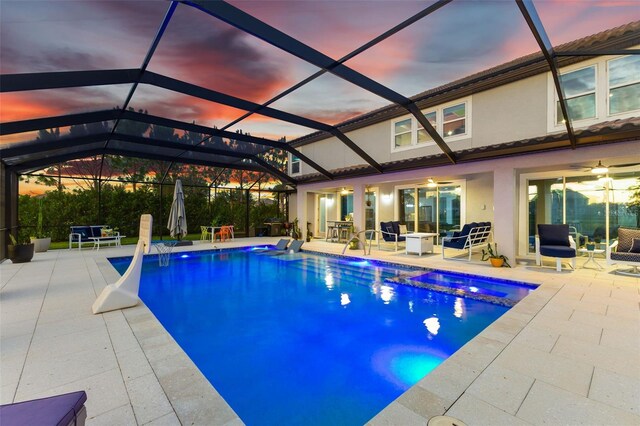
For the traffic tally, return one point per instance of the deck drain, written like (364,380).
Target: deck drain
(445,421)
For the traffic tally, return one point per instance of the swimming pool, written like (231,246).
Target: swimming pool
(303,339)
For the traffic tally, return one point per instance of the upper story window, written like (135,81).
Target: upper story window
(455,119)
(624,84)
(450,120)
(402,132)
(423,136)
(596,90)
(295,165)
(580,93)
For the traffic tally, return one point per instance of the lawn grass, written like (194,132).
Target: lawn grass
(58,245)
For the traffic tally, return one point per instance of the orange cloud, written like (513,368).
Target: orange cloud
(21,106)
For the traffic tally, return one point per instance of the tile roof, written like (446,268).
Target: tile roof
(607,132)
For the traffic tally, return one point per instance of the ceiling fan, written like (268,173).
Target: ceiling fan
(432,183)
(601,168)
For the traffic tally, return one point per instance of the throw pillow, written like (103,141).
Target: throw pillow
(403,229)
(635,246)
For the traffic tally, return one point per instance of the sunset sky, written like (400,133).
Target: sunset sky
(460,39)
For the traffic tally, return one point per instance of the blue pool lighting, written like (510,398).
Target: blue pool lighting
(311,340)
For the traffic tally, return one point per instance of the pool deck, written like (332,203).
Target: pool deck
(567,354)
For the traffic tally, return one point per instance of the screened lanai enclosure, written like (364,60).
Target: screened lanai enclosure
(104,104)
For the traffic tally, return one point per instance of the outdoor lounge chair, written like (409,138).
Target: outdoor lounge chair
(626,251)
(390,232)
(280,246)
(555,241)
(472,235)
(294,247)
(63,410)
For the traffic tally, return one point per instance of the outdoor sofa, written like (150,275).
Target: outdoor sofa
(82,234)
(472,235)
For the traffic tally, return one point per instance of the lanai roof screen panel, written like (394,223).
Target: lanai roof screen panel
(17,106)
(173,105)
(43,36)
(456,41)
(330,100)
(200,49)
(56,135)
(565,21)
(270,128)
(335,28)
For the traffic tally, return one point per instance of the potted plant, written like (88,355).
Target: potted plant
(309,233)
(19,253)
(497,260)
(295,229)
(40,242)
(354,243)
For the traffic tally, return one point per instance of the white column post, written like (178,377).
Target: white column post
(358,206)
(505,212)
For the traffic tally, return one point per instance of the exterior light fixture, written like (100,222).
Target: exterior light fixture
(344,191)
(431,183)
(599,168)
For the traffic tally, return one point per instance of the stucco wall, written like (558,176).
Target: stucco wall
(479,198)
(507,113)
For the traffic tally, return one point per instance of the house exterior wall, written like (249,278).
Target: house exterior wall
(511,112)
(493,183)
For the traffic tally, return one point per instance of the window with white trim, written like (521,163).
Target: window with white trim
(451,121)
(403,133)
(580,94)
(423,136)
(294,165)
(454,120)
(596,90)
(624,84)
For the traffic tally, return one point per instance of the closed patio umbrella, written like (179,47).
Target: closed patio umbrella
(177,216)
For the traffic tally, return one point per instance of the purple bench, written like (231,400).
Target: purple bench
(60,410)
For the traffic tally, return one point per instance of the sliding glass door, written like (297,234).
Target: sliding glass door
(436,210)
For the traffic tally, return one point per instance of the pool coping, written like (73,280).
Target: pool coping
(431,396)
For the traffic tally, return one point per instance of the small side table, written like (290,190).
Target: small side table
(590,253)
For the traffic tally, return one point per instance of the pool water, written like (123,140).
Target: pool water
(302,339)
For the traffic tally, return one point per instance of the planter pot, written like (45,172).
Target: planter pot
(41,244)
(496,262)
(591,246)
(20,253)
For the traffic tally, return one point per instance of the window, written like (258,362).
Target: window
(450,121)
(624,84)
(295,165)
(402,131)
(423,136)
(454,119)
(580,93)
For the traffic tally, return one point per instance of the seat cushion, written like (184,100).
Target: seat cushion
(96,231)
(457,243)
(557,251)
(625,256)
(396,227)
(625,238)
(54,410)
(387,227)
(553,235)
(635,246)
(84,231)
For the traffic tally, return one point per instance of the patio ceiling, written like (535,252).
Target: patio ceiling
(253,92)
